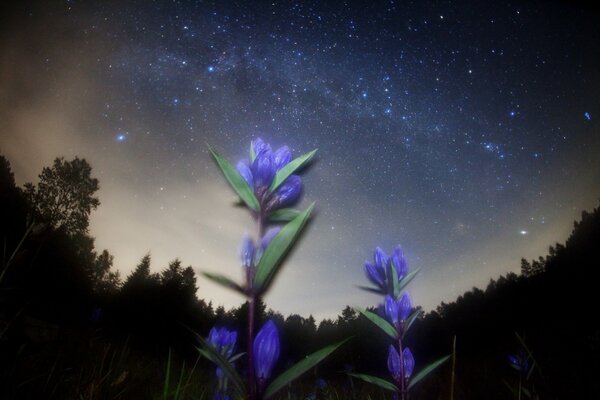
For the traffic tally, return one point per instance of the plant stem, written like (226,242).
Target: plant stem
(402,389)
(251,380)
(252,300)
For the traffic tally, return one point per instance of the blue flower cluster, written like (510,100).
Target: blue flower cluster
(259,174)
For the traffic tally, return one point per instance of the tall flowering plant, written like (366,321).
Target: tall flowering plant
(268,185)
(390,276)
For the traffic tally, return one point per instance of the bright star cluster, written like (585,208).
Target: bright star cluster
(462,130)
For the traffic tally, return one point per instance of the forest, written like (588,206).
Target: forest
(71,327)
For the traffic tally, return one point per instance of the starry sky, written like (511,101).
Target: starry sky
(465,131)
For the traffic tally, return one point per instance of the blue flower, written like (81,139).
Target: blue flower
(260,174)
(409,362)
(381,271)
(266,350)
(393,363)
(397,311)
(250,254)
(247,252)
(222,340)
(519,363)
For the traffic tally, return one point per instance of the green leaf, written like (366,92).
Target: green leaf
(406,280)
(300,368)
(211,354)
(277,250)
(236,181)
(252,153)
(394,280)
(382,383)
(425,371)
(371,289)
(380,322)
(224,281)
(410,320)
(290,168)
(283,214)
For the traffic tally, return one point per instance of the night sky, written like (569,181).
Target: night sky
(467,132)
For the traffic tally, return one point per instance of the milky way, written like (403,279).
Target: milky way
(465,131)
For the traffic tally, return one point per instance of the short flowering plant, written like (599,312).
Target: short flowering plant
(390,275)
(268,185)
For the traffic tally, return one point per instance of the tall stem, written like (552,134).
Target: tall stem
(252,300)
(402,388)
(251,379)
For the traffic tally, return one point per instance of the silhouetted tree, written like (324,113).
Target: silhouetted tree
(64,196)
(105,281)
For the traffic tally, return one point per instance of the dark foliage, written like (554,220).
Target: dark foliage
(66,320)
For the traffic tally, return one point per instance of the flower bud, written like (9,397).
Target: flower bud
(375,275)
(247,252)
(281,157)
(289,191)
(393,363)
(263,169)
(409,362)
(404,307)
(266,350)
(245,172)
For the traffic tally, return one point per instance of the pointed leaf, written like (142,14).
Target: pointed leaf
(236,181)
(290,168)
(406,280)
(284,214)
(371,289)
(252,153)
(211,354)
(410,320)
(277,250)
(236,357)
(394,280)
(380,322)
(382,383)
(300,368)
(224,281)
(425,371)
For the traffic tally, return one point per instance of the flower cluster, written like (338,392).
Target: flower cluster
(261,171)
(390,275)
(222,340)
(267,185)
(381,272)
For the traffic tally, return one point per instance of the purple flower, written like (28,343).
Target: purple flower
(375,274)
(263,170)
(397,311)
(268,237)
(286,194)
(381,259)
(282,157)
(519,363)
(381,271)
(266,350)
(222,340)
(247,252)
(259,175)
(409,362)
(404,307)
(399,262)
(393,363)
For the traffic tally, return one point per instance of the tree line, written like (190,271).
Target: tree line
(58,294)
